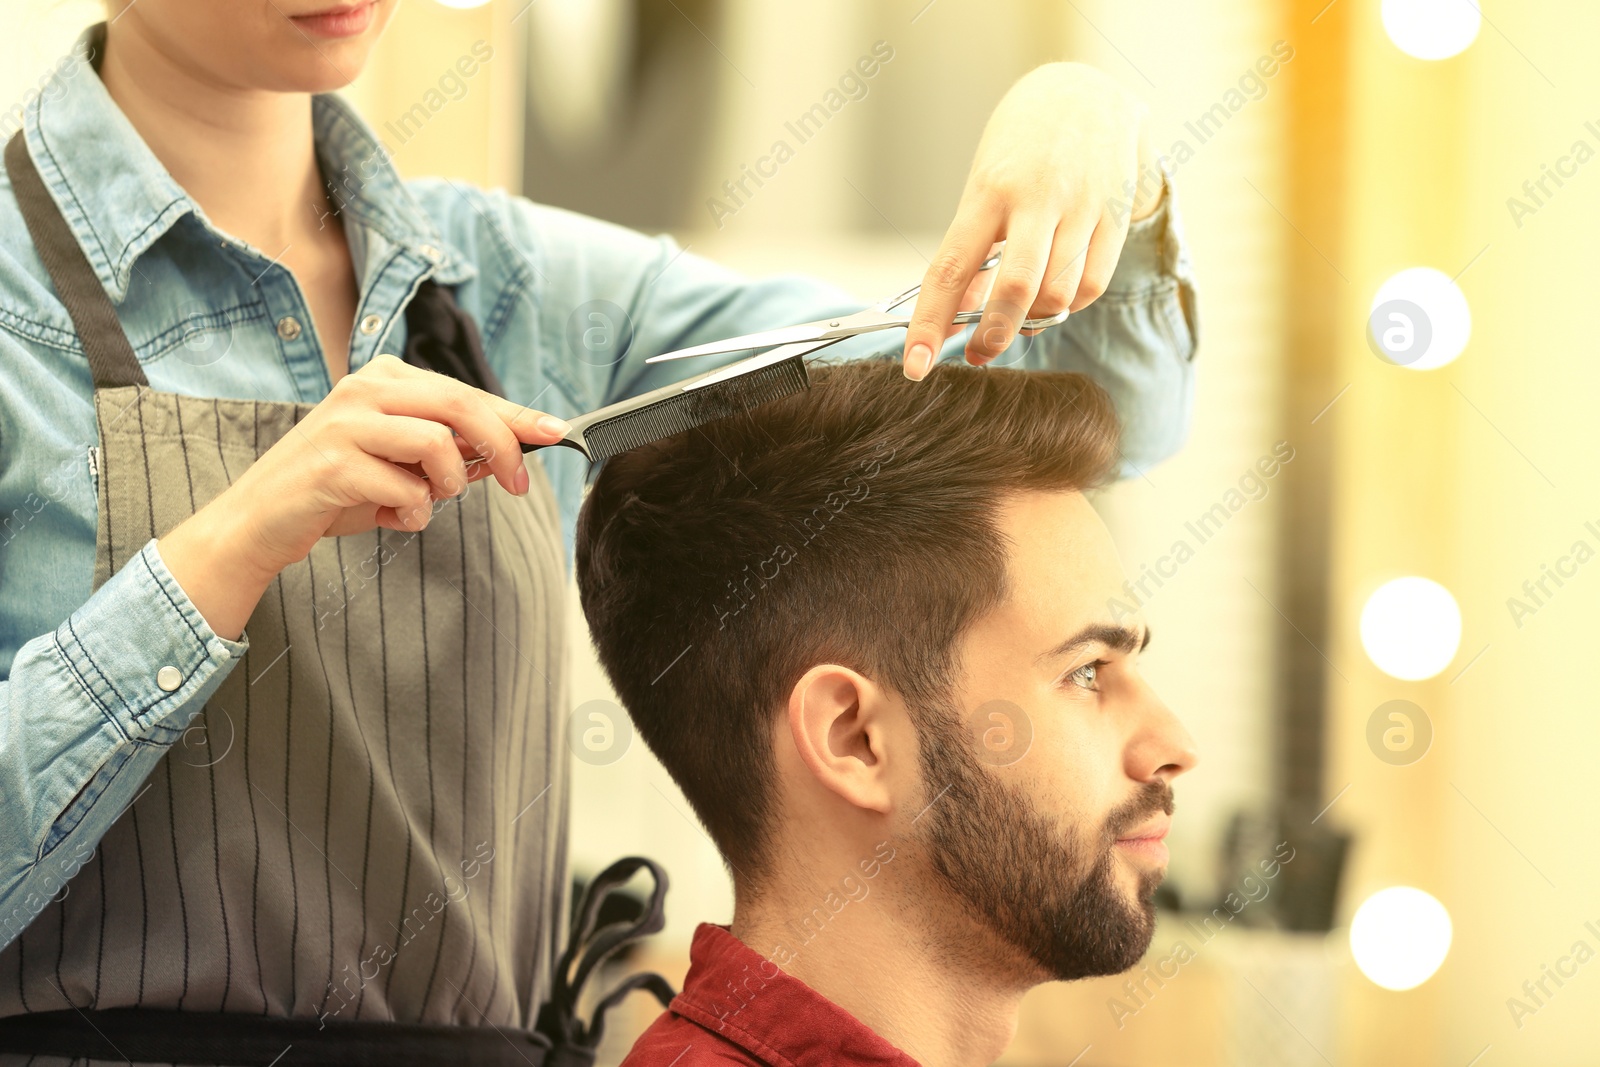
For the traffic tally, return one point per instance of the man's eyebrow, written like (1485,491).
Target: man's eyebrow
(1118,638)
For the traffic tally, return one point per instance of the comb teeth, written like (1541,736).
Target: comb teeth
(696,407)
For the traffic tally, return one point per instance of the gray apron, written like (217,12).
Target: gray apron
(366,821)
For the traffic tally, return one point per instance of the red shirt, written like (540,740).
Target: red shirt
(738,1007)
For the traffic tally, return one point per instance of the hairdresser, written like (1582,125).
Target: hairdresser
(283,713)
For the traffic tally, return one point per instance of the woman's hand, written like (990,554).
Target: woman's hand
(388,441)
(1063,166)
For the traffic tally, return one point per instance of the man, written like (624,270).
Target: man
(866,629)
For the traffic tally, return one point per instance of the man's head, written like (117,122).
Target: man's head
(884,609)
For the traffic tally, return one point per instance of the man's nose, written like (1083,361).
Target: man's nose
(1164,748)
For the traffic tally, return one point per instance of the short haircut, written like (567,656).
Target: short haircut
(851,523)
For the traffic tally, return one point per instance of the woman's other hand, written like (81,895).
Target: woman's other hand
(1063,166)
(388,442)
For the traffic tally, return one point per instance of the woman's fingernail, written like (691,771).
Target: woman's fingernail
(521,480)
(552,425)
(919,362)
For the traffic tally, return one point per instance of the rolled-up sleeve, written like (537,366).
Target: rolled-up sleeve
(1138,340)
(85,714)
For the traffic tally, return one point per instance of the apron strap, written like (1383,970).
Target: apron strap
(111,358)
(591,944)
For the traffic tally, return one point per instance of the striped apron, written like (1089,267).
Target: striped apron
(366,822)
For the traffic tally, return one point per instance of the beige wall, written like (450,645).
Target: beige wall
(1474,475)
(475,135)
(37,36)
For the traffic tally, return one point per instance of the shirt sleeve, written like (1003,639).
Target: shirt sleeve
(86,712)
(1138,340)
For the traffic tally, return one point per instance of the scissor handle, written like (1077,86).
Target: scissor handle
(881,316)
(964,317)
(895,301)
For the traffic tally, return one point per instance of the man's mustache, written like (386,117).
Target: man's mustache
(1152,798)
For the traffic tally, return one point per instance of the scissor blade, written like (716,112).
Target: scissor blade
(755,363)
(765,339)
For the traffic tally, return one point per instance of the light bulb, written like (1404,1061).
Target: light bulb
(1399,937)
(1419,319)
(1431,29)
(1411,628)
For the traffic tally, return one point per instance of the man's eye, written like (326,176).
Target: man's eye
(1086,676)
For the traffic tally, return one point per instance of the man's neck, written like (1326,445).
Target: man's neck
(247,157)
(891,960)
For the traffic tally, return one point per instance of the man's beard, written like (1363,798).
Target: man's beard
(1057,901)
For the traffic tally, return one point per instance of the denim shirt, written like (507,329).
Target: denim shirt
(568,308)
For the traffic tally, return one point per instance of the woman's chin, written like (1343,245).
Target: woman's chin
(318,73)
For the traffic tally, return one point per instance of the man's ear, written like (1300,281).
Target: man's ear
(841,724)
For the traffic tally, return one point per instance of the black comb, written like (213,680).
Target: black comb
(674,408)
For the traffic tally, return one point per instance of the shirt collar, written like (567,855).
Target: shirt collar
(743,997)
(119,200)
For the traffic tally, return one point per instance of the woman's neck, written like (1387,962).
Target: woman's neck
(246,156)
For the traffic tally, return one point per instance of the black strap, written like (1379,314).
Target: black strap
(441,337)
(575,1042)
(147,1035)
(111,358)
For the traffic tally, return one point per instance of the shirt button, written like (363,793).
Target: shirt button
(429,251)
(370,324)
(168,678)
(288,327)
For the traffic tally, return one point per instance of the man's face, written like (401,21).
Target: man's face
(1052,802)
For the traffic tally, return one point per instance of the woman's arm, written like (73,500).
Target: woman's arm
(1137,340)
(87,711)
(85,714)
(591,300)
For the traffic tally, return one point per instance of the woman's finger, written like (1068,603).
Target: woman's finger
(403,439)
(1017,280)
(390,386)
(402,498)
(1105,247)
(491,426)
(1065,269)
(976,293)
(528,424)
(966,244)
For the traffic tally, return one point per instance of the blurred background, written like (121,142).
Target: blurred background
(1384,651)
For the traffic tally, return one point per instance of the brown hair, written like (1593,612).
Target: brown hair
(852,523)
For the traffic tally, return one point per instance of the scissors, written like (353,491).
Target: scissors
(881,316)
